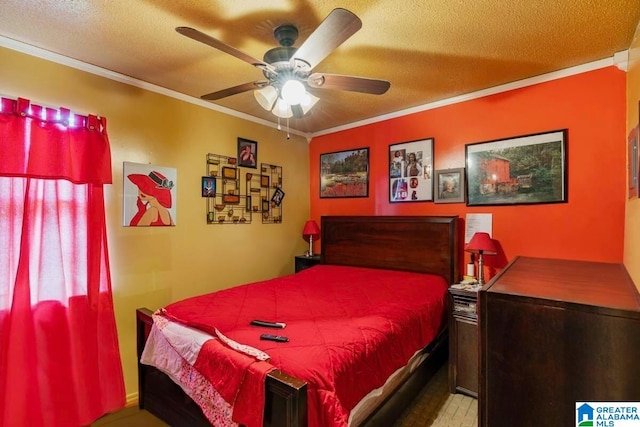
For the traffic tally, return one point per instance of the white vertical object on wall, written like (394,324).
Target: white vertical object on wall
(481,222)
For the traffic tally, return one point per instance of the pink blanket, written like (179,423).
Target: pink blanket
(349,329)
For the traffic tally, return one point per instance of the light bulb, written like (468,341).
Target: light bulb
(293,91)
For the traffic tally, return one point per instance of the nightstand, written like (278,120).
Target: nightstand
(463,339)
(303,261)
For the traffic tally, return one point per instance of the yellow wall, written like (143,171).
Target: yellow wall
(153,266)
(632,216)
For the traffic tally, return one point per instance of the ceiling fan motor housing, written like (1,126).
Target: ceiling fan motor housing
(279,57)
(286,34)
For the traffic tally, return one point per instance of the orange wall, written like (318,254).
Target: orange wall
(590,105)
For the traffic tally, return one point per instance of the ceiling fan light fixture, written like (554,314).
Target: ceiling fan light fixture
(308,101)
(266,97)
(282,109)
(293,91)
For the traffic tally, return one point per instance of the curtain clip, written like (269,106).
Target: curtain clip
(92,122)
(65,113)
(22,107)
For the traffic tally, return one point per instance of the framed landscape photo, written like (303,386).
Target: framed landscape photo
(527,169)
(247,153)
(411,171)
(345,174)
(449,186)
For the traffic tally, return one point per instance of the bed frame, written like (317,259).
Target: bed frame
(427,244)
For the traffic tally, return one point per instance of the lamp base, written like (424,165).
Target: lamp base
(310,252)
(480,270)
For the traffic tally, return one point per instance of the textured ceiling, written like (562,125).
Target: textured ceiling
(429,50)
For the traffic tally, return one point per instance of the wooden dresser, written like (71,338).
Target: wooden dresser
(553,333)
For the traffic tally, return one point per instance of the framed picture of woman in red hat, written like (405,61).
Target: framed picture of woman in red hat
(149,194)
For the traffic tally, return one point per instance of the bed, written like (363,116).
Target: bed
(417,244)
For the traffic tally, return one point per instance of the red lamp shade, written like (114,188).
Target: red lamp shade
(311,229)
(481,243)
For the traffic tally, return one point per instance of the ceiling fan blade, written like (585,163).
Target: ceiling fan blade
(336,28)
(215,43)
(234,90)
(350,83)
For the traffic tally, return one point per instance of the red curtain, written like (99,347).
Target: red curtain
(59,357)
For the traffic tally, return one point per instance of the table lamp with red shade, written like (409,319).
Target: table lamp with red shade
(311,231)
(481,244)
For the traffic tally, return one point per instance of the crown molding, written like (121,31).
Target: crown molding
(102,72)
(619,59)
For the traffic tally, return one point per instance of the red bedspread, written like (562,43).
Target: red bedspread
(349,328)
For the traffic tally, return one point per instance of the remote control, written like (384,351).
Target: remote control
(278,325)
(278,338)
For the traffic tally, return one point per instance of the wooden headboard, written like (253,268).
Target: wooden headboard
(425,244)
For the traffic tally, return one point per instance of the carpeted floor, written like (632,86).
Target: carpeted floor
(434,407)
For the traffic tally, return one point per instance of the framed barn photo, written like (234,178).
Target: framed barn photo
(527,169)
(411,171)
(449,186)
(345,174)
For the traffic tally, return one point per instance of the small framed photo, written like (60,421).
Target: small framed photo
(264,181)
(247,153)
(277,197)
(449,186)
(411,171)
(208,186)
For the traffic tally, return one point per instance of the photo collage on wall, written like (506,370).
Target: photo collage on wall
(410,171)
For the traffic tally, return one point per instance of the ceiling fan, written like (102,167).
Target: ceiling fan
(288,70)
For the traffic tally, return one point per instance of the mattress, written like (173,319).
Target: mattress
(174,349)
(349,330)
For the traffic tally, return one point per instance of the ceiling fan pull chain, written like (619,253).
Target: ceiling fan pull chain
(288,136)
(279,127)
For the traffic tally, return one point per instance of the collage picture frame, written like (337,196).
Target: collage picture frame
(411,171)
